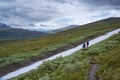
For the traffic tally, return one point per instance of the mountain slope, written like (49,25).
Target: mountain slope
(14,33)
(28,51)
(76,66)
(63,37)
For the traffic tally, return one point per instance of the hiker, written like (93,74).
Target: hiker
(87,43)
(84,45)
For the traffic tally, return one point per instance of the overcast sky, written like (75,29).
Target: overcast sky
(53,14)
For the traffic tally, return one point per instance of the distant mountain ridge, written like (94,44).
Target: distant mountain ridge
(2,25)
(65,28)
(54,30)
(9,33)
(61,29)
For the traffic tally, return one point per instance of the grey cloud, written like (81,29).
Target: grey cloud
(7,0)
(92,2)
(60,1)
(102,2)
(30,11)
(27,14)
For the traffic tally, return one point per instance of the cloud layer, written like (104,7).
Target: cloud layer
(53,14)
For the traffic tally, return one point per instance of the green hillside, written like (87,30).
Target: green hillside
(76,66)
(110,62)
(64,37)
(16,51)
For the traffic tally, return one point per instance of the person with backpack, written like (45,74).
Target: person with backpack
(83,46)
(87,43)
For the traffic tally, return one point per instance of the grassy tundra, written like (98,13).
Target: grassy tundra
(76,67)
(22,50)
